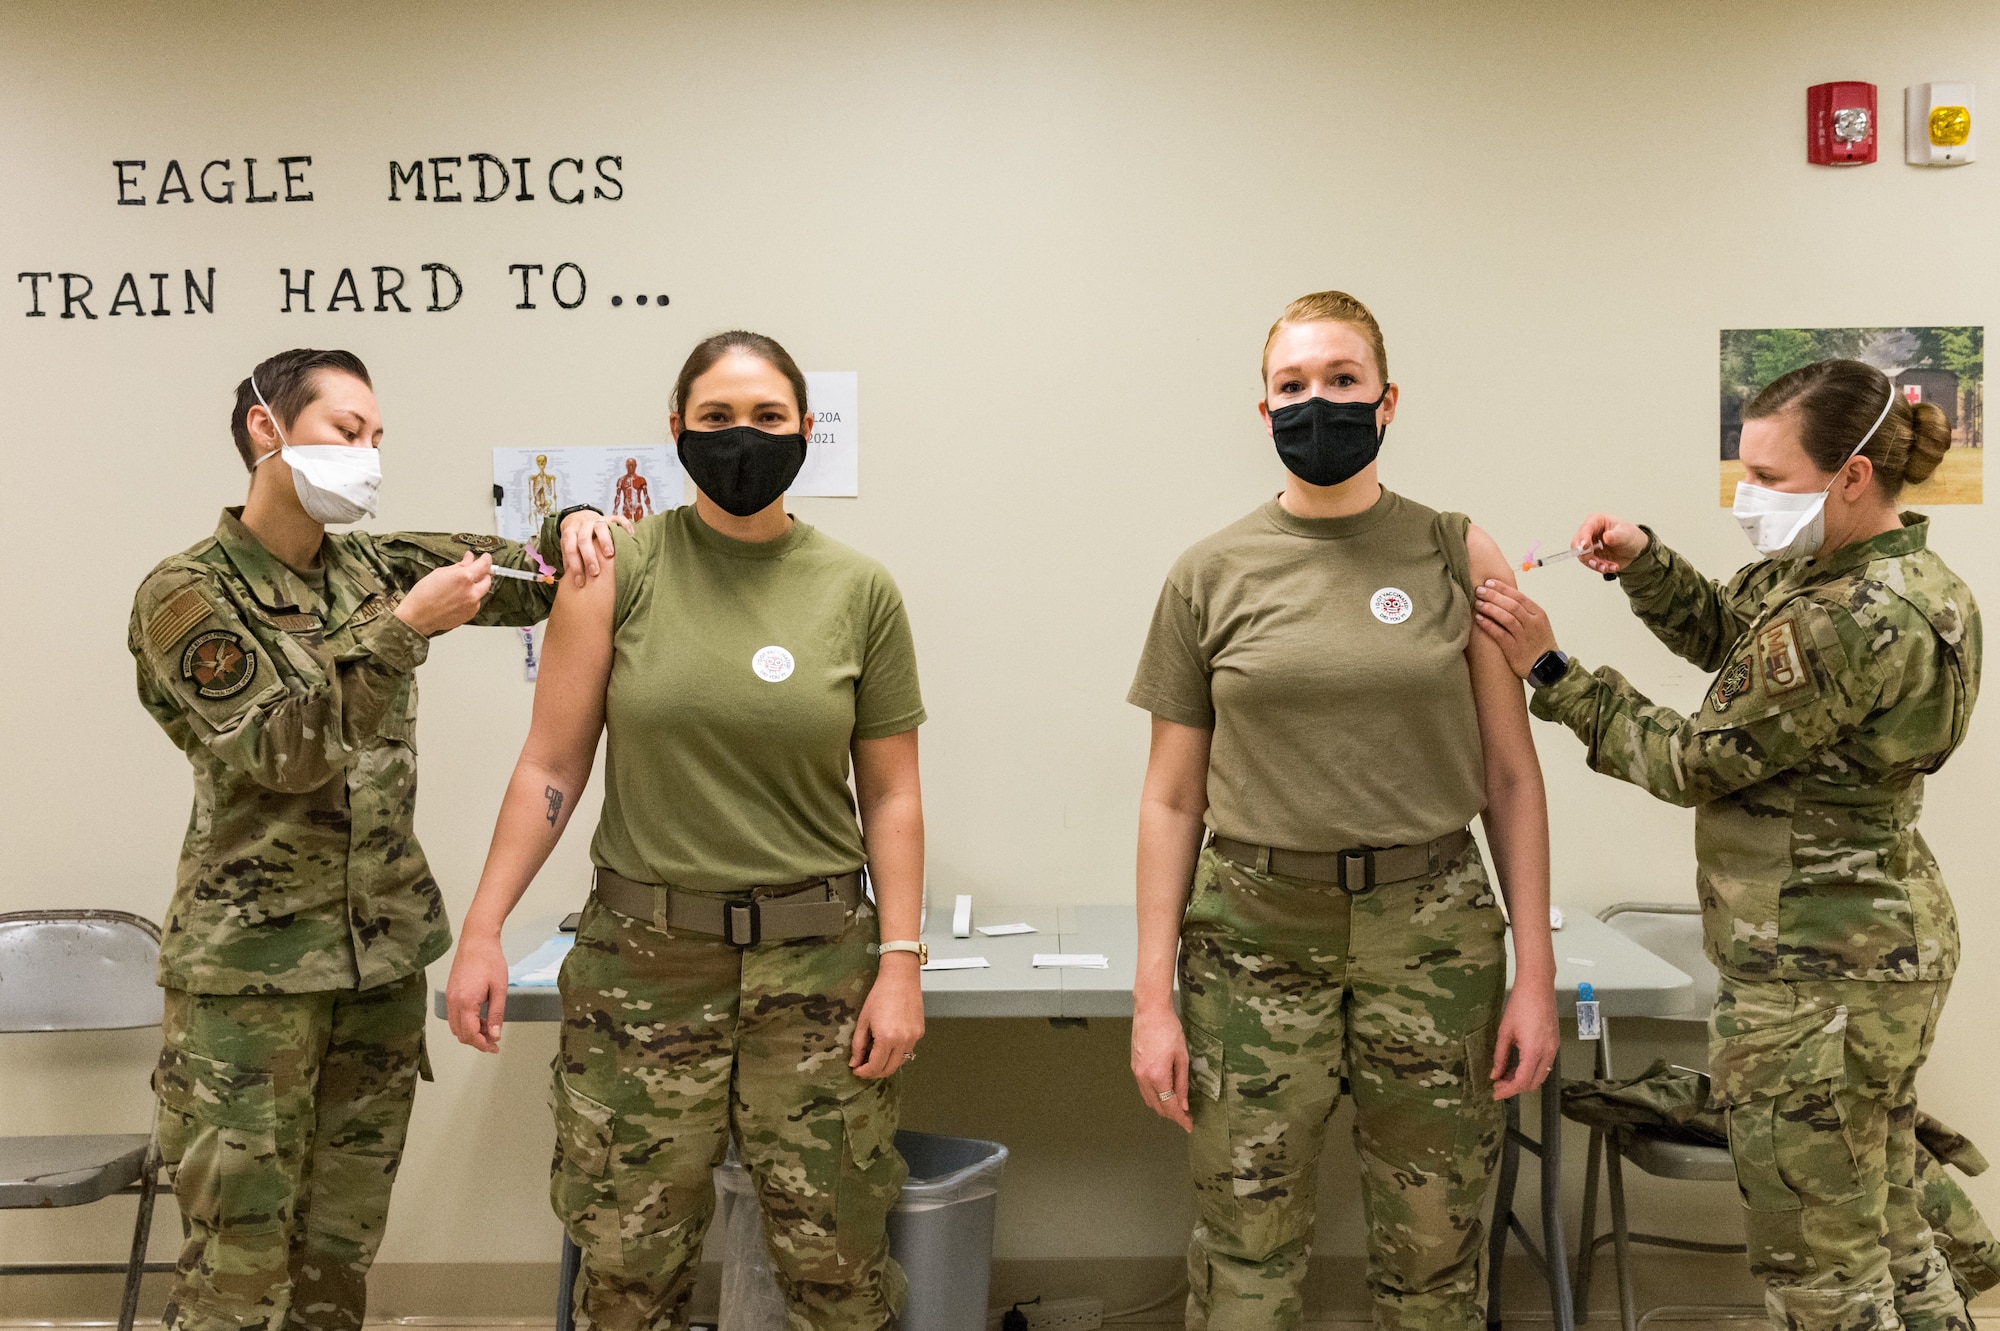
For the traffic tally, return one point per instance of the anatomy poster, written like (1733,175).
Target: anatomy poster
(529,484)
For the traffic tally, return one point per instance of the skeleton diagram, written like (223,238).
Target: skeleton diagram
(542,490)
(630,499)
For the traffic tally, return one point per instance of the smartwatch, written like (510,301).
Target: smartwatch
(1549,668)
(563,516)
(923,950)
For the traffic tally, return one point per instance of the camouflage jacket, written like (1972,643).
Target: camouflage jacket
(1841,683)
(300,871)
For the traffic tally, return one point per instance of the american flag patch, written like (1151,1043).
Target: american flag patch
(173,621)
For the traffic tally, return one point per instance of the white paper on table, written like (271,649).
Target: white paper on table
(538,969)
(1094,961)
(634,481)
(833,454)
(956,964)
(1003,930)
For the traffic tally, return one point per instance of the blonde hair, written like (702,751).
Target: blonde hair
(1330,307)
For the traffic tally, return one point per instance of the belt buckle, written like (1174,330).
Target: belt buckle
(1364,860)
(743,922)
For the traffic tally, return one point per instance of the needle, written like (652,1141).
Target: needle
(1532,562)
(522,574)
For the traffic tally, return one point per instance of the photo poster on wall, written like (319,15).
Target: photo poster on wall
(833,453)
(1943,365)
(531,484)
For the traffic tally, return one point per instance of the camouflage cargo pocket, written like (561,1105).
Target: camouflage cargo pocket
(1787,1131)
(871,1172)
(219,1133)
(1205,1065)
(583,1188)
(1436,1113)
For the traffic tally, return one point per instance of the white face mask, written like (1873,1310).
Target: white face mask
(1787,525)
(336,482)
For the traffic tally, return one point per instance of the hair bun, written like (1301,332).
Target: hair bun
(1930,439)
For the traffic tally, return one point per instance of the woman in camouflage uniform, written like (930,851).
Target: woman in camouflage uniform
(1322,706)
(730,980)
(1846,669)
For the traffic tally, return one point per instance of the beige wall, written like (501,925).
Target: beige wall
(1050,238)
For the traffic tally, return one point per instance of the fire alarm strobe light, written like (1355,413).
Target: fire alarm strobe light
(1840,124)
(1938,124)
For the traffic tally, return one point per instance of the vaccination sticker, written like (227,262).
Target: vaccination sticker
(1391,605)
(772,664)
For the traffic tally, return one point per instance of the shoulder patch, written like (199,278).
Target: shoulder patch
(1778,659)
(485,545)
(1733,684)
(174,620)
(218,664)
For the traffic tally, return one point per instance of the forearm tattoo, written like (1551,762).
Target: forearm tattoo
(555,799)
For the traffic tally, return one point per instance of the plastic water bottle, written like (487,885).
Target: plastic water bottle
(1589,1024)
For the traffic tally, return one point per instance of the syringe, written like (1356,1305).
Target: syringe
(500,571)
(1558,557)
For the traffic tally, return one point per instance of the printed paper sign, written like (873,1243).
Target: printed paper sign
(833,454)
(530,484)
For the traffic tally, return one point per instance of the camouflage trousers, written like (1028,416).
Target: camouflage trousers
(674,1042)
(1290,990)
(1819,1081)
(282,1117)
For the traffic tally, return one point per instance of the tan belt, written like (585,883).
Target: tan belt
(1353,871)
(814,909)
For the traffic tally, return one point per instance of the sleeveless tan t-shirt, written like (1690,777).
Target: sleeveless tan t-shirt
(1328,656)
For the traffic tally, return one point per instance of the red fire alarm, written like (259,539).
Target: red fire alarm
(1840,124)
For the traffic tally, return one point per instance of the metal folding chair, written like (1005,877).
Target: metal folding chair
(81,970)
(1672,931)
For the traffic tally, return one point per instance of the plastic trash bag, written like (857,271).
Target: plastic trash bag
(945,1245)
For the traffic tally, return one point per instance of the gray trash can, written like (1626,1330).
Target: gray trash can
(941,1231)
(942,1228)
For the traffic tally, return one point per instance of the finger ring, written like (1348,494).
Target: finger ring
(1163,1095)
(910,1057)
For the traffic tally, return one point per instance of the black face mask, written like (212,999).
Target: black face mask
(742,468)
(1325,443)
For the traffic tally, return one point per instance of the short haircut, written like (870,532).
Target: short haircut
(290,383)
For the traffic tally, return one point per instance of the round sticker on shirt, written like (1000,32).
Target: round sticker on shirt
(772,664)
(1391,605)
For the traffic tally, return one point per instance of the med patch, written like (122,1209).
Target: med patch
(1779,661)
(485,545)
(218,664)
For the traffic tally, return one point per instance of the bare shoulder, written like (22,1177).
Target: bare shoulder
(1487,561)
